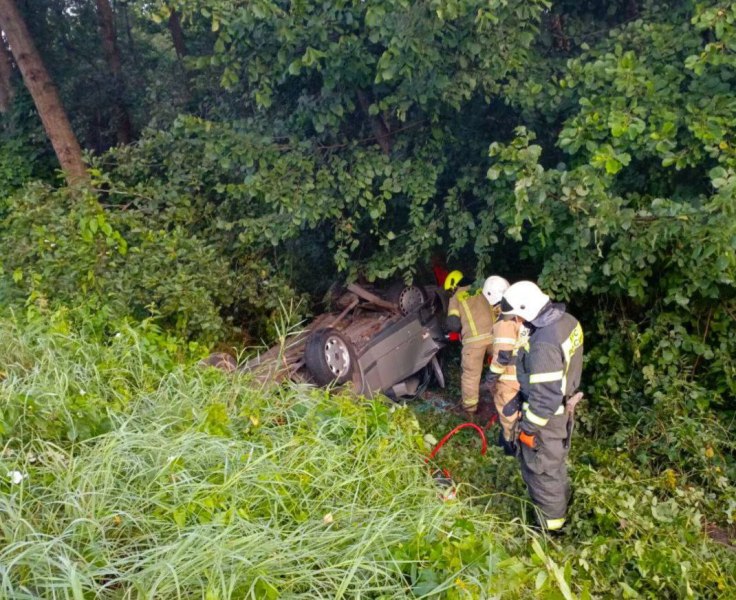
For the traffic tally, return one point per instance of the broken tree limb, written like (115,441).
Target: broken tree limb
(348,308)
(372,298)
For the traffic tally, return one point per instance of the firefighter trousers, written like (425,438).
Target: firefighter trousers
(473,360)
(544,471)
(503,393)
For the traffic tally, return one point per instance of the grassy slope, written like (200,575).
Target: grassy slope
(146,478)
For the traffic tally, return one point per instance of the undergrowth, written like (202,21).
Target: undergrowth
(129,472)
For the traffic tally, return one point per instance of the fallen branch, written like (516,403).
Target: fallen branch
(348,308)
(372,298)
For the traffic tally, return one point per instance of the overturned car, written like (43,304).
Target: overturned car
(377,341)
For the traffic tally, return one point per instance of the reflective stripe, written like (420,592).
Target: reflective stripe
(569,347)
(469,317)
(477,338)
(470,404)
(554,524)
(560,410)
(546,377)
(507,377)
(497,369)
(500,340)
(530,416)
(453,313)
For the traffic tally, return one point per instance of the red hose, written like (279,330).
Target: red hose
(444,474)
(484,444)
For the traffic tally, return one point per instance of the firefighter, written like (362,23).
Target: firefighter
(549,370)
(469,314)
(502,372)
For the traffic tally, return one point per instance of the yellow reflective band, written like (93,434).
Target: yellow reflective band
(560,409)
(507,377)
(554,524)
(469,316)
(530,416)
(500,340)
(470,404)
(477,338)
(569,347)
(546,377)
(497,369)
(453,313)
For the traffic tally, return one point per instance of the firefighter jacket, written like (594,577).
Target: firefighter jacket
(475,314)
(505,348)
(550,366)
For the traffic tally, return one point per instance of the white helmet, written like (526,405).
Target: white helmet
(493,289)
(524,299)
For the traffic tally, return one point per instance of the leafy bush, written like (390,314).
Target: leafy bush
(60,248)
(25,152)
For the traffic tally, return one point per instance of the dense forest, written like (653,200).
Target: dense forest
(180,175)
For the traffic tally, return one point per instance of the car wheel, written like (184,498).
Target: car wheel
(406,297)
(329,357)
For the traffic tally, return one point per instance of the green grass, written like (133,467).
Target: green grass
(148,477)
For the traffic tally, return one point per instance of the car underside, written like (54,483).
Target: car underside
(376,341)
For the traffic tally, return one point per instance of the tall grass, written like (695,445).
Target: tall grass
(198,485)
(146,477)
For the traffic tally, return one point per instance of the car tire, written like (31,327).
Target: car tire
(406,297)
(329,357)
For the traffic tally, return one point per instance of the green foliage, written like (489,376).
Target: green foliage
(256,196)
(135,465)
(589,145)
(634,222)
(91,366)
(646,493)
(152,89)
(318,82)
(356,134)
(240,492)
(62,250)
(24,150)
(411,55)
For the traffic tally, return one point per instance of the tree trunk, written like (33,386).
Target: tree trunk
(44,93)
(177,34)
(6,77)
(112,56)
